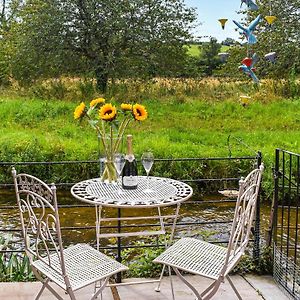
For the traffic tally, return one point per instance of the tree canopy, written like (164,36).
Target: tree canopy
(112,39)
(209,59)
(9,10)
(103,38)
(283,37)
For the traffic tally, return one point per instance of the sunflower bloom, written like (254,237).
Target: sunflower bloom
(79,111)
(108,112)
(126,106)
(139,112)
(97,101)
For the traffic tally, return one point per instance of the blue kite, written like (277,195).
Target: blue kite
(248,31)
(250,4)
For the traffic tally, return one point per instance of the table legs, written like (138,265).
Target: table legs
(98,210)
(119,256)
(119,234)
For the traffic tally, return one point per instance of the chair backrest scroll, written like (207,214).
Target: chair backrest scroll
(243,217)
(37,204)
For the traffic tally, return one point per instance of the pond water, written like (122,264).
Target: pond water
(214,219)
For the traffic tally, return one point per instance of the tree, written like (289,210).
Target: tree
(108,38)
(209,59)
(8,13)
(283,37)
(228,41)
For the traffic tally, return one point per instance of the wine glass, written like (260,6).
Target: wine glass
(147,162)
(119,163)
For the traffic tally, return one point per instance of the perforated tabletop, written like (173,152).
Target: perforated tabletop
(165,192)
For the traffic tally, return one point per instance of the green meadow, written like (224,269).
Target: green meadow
(35,129)
(44,130)
(195,50)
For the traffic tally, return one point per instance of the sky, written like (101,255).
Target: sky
(209,11)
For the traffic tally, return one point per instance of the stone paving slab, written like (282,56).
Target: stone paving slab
(267,287)
(27,291)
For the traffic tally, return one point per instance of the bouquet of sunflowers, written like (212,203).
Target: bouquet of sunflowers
(110,124)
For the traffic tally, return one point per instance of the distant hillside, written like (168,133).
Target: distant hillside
(194,49)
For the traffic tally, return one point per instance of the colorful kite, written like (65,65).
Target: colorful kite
(270,19)
(245,100)
(248,67)
(223,56)
(271,57)
(250,4)
(223,22)
(248,31)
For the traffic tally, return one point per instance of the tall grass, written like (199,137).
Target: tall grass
(162,89)
(35,129)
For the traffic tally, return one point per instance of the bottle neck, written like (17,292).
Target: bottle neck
(129,155)
(129,145)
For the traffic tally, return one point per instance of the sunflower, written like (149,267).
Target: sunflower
(79,111)
(97,101)
(139,112)
(107,112)
(126,106)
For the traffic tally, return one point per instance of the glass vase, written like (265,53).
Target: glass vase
(109,173)
(108,147)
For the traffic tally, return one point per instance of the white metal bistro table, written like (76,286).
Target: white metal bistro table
(165,192)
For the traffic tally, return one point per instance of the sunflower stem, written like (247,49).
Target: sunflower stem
(121,131)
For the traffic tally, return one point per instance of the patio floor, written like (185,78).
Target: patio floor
(250,288)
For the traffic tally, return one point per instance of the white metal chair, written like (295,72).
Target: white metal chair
(72,268)
(210,260)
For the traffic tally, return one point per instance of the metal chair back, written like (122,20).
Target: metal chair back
(40,220)
(243,218)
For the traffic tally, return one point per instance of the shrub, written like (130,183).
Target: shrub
(140,260)
(13,267)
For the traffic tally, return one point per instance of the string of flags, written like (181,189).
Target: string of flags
(247,66)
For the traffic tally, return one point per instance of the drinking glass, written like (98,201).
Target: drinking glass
(119,162)
(147,162)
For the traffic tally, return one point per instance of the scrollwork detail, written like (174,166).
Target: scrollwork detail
(244,213)
(30,183)
(40,227)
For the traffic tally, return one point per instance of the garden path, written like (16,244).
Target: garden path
(250,287)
